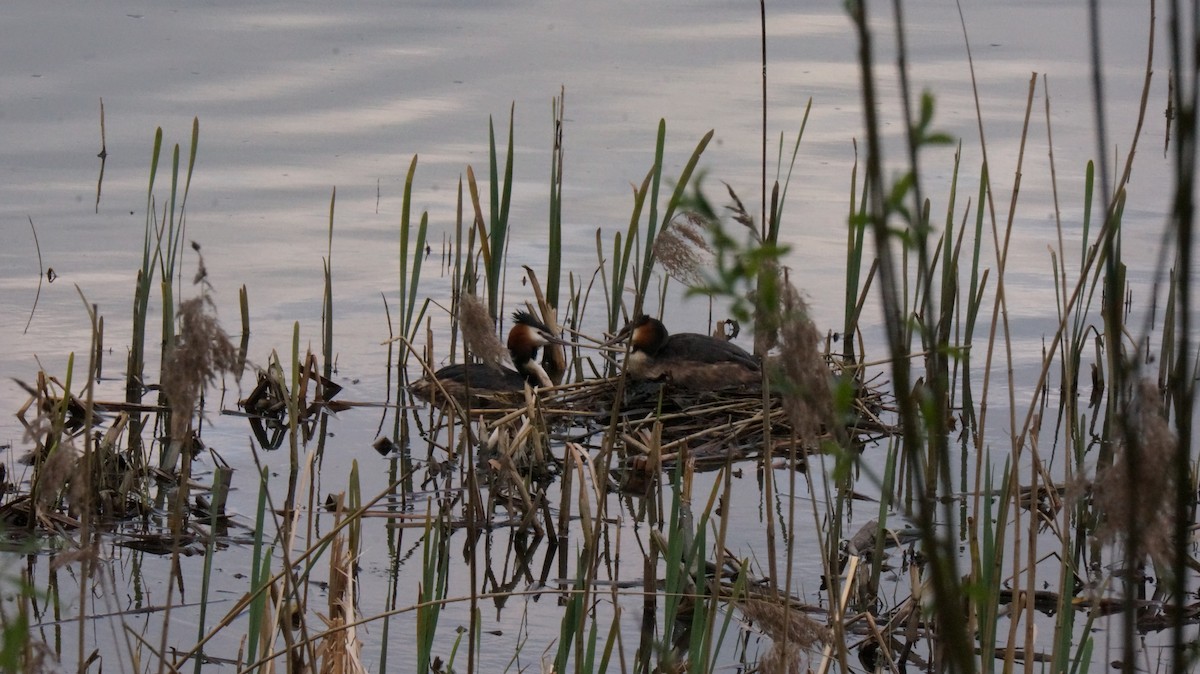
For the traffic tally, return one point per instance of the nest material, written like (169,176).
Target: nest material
(715,427)
(658,424)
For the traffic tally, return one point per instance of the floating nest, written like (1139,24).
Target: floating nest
(650,426)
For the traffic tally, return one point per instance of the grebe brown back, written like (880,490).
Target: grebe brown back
(687,360)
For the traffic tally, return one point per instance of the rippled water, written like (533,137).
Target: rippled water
(296,100)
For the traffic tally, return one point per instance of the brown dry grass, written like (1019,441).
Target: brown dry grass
(339,650)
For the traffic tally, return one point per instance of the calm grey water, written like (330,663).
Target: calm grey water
(296,99)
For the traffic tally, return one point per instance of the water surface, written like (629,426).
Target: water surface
(297,100)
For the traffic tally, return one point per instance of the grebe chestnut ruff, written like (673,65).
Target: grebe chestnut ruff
(687,360)
(492,386)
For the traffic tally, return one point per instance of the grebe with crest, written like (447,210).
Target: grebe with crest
(496,385)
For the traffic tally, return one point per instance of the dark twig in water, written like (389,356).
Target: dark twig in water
(103,155)
(41,273)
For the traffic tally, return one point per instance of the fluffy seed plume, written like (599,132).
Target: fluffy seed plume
(201,353)
(791,632)
(683,249)
(800,365)
(478,332)
(1143,496)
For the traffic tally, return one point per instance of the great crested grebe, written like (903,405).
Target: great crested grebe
(687,360)
(492,386)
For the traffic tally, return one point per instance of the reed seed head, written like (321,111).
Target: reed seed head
(479,334)
(801,366)
(683,250)
(202,352)
(792,634)
(1138,489)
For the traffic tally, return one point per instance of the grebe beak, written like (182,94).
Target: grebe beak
(622,335)
(555,340)
(535,337)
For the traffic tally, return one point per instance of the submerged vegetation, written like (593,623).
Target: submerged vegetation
(615,510)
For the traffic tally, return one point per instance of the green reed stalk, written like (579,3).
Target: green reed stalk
(652,223)
(326,329)
(777,212)
(435,572)
(454,650)
(478,229)
(700,629)
(354,504)
(1167,355)
(675,576)
(1064,618)
(989,574)
(456,279)
(705,644)
(974,302)
(175,227)
(719,546)
(611,642)
(574,617)
(623,255)
(855,240)
(393,539)
(220,490)
(405,209)
(498,222)
(410,278)
(327,296)
(293,407)
(420,316)
(260,573)
(244,344)
(135,370)
(554,263)
(642,276)
(15,641)
(949,285)
(172,227)
(923,419)
(886,496)
(589,655)
(91,481)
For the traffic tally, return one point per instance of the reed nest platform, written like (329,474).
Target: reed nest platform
(649,426)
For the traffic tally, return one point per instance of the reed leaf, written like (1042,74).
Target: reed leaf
(260,571)
(327,297)
(432,589)
(554,263)
(501,197)
(652,225)
(622,257)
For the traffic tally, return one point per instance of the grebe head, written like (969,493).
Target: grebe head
(648,335)
(645,334)
(527,335)
(686,360)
